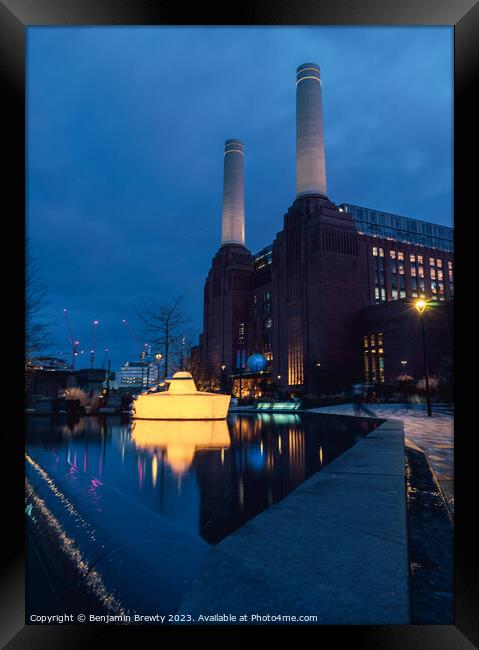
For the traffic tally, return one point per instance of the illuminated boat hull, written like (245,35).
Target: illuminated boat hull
(194,406)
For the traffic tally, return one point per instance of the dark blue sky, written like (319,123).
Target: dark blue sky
(126,128)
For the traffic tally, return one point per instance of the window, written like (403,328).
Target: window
(240,358)
(417,276)
(266,303)
(450,273)
(295,352)
(378,270)
(396,265)
(373,357)
(440,287)
(241,333)
(267,342)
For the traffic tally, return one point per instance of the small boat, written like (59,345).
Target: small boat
(182,401)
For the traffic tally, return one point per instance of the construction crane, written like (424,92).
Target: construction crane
(74,344)
(130,331)
(145,352)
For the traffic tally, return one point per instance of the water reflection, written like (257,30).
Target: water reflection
(180,439)
(208,477)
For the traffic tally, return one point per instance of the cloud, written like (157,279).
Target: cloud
(126,128)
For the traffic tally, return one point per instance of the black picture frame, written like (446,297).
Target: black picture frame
(15,17)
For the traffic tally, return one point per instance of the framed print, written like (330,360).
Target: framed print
(235,279)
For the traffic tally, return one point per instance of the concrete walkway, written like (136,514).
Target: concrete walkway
(435,436)
(335,548)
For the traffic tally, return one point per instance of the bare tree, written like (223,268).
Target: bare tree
(204,373)
(165,328)
(37,334)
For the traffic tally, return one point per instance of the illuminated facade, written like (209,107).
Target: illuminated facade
(328,303)
(136,375)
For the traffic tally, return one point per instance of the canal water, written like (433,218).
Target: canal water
(207,477)
(110,501)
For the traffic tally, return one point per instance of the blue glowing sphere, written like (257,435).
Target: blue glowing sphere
(256,362)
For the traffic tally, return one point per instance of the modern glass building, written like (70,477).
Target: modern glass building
(134,374)
(398,228)
(263,258)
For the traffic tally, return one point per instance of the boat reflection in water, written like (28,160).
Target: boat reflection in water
(99,485)
(209,477)
(180,440)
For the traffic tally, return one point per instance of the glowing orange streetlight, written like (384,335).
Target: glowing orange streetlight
(158,358)
(421,307)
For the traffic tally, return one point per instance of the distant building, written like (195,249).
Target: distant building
(91,379)
(135,375)
(48,363)
(46,376)
(330,301)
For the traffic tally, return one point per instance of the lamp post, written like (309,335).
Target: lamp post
(223,379)
(142,361)
(158,358)
(108,378)
(318,380)
(421,307)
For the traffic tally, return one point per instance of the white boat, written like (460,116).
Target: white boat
(182,401)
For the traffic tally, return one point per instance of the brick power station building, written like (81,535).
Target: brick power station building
(331,301)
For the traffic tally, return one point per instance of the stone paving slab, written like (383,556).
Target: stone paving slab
(434,436)
(335,547)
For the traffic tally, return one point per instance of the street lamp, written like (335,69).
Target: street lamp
(421,307)
(158,358)
(142,362)
(318,380)
(147,355)
(223,378)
